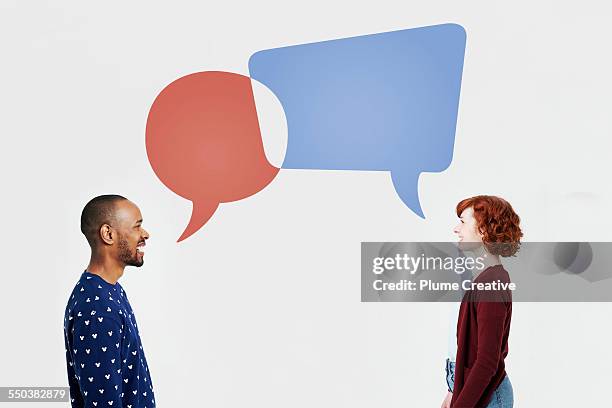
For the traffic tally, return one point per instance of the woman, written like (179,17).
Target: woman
(489,228)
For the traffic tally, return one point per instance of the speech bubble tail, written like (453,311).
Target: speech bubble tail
(408,190)
(200,214)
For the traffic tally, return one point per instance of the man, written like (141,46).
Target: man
(105,359)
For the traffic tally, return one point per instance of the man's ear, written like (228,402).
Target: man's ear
(107,234)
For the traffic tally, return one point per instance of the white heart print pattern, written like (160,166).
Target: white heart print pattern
(93,324)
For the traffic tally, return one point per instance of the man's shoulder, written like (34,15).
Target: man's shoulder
(89,295)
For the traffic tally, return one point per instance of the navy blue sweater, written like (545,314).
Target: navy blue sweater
(105,359)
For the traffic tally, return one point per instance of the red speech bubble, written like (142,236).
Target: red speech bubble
(204,143)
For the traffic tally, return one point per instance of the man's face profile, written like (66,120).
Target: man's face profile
(130,234)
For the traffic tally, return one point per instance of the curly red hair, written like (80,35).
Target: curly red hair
(496,221)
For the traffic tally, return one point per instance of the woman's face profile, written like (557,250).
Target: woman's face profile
(467,231)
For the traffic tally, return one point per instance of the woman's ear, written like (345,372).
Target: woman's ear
(480,233)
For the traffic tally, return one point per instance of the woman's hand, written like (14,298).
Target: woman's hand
(447,400)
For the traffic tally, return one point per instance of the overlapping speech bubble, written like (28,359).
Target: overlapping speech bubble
(203,142)
(379,102)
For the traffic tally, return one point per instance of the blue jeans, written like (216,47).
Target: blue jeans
(503,396)
(450,374)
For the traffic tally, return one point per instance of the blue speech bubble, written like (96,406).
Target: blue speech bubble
(379,102)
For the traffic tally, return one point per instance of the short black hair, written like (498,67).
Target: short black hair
(99,210)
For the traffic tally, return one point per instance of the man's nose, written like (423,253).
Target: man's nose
(146,234)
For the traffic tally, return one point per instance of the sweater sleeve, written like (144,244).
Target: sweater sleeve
(490,318)
(97,360)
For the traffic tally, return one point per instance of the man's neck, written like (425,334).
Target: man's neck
(108,269)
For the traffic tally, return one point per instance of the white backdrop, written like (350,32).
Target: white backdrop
(262,306)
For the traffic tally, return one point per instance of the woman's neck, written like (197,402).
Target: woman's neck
(487,260)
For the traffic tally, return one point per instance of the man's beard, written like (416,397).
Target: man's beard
(127,256)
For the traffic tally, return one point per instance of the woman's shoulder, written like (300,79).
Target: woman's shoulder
(493,274)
